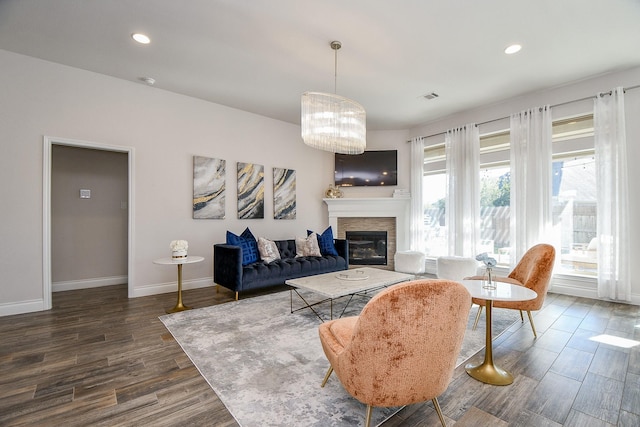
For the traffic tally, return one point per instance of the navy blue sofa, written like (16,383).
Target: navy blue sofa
(229,272)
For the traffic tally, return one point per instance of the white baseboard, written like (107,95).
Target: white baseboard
(163,288)
(577,291)
(20,307)
(73,285)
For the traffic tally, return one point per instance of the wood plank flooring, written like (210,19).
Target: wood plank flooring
(100,359)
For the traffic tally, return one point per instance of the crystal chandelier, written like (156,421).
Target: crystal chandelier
(331,122)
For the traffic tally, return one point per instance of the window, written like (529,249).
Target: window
(495,186)
(574,196)
(434,191)
(494,182)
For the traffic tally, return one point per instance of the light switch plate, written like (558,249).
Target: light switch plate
(85,194)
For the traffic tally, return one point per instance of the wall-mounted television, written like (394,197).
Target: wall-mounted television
(369,169)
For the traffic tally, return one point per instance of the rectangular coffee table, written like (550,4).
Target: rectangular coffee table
(344,283)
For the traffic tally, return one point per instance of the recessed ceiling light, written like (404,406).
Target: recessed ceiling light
(141,38)
(510,50)
(148,80)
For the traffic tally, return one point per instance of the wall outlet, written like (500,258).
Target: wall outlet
(85,194)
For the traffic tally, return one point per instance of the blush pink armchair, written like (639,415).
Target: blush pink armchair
(403,347)
(534,272)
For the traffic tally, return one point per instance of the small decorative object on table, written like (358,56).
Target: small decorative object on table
(489,263)
(179,248)
(334,192)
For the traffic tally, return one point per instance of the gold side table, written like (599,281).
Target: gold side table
(179,262)
(487,371)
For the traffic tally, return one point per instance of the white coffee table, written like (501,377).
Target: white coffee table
(344,283)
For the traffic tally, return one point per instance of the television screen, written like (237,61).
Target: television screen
(371,168)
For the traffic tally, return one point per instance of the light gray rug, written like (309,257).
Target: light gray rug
(266,364)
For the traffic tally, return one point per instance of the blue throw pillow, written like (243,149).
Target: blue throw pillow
(247,243)
(325,242)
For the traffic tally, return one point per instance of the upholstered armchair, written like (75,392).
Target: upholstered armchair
(403,347)
(534,272)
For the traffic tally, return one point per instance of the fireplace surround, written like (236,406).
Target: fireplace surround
(389,214)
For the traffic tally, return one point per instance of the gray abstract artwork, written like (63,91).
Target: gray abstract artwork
(284,193)
(208,188)
(250,191)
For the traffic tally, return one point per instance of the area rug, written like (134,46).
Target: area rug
(266,363)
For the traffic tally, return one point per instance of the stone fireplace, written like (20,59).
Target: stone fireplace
(383,214)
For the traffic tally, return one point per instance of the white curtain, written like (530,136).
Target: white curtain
(417,210)
(462,147)
(531,180)
(613,205)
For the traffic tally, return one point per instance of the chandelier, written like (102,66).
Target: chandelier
(331,122)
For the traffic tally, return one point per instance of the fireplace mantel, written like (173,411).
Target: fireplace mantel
(396,207)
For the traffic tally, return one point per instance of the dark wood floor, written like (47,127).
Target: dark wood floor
(99,358)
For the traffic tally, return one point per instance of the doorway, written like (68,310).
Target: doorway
(60,144)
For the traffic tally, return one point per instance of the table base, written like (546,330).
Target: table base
(179,307)
(311,305)
(486,371)
(489,373)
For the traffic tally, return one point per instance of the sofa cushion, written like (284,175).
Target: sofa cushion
(268,250)
(287,248)
(325,242)
(247,243)
(308,246)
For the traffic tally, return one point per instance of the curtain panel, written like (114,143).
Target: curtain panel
(462,207)
(417,209)
(531,180)
(614,276)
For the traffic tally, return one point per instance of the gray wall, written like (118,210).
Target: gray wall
(88,236)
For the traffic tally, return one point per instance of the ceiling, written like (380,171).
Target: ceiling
(261,55)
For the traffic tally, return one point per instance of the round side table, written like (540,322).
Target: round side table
(487,371)
(179,262)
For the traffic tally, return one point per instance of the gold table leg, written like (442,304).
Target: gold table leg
(179,305)
(486,371)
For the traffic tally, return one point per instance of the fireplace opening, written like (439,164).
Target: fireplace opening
(367,247)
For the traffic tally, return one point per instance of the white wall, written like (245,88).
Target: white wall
(166,130)
(567,94)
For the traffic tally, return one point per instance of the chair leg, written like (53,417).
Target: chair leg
(326,377)
(367,421)
(439,411)
(475,324)
(521,316)
(533,327)
(236,296)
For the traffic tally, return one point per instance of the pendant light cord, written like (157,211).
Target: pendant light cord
(335,45)
(335,72)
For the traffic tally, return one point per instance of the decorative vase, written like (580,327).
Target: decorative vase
(333,192)
(489,284)
(179,248)
(179,254)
